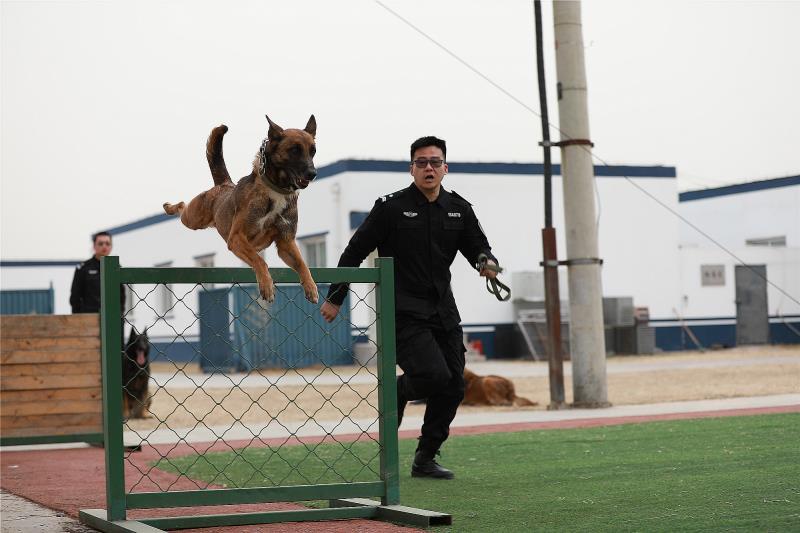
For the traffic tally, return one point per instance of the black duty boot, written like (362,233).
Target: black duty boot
(425,466)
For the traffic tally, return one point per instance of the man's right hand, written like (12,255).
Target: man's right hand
(329,311)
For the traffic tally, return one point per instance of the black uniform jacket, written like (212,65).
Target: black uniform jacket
(85,294)
(423,238)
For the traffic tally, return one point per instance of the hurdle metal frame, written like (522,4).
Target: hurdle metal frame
(347,500)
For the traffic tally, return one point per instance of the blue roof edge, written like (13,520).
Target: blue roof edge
(750,186)
(380,165)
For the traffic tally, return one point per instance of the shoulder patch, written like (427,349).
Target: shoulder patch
(459,197)
(391,196)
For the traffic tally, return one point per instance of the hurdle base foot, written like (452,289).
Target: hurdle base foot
(398,513)
(98,519)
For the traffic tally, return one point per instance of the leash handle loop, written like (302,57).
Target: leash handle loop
(494,286)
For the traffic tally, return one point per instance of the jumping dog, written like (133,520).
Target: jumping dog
(262,207)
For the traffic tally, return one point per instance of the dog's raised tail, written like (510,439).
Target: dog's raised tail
(216,162)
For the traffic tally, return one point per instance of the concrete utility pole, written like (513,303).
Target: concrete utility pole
(586,334)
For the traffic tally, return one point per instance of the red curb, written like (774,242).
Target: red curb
(72,479)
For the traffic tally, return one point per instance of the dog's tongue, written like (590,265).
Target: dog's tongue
(140,358)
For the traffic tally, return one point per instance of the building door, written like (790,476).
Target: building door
(752,318)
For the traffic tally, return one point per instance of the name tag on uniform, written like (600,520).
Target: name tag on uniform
(92,271)
(454,215)
(410,214)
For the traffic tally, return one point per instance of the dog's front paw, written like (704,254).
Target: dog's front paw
(311,292)
(267,291)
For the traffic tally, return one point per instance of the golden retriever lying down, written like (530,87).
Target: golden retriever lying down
(491,390)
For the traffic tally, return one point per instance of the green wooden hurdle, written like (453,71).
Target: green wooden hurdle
(346,500)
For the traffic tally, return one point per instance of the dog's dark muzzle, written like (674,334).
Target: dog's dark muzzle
(305,176)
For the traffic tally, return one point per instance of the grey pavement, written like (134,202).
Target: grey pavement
(313,428)
(23,516)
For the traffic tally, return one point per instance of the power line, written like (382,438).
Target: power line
(564,135)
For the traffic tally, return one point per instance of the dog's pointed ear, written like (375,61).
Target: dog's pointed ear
(275,131)
(311,127)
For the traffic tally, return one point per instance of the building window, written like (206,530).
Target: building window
(313,250)
(165,297)
(205,261)
(767,241)
(712,275)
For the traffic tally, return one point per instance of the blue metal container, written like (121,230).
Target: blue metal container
(27,301)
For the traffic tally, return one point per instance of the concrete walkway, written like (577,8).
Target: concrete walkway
(23,516)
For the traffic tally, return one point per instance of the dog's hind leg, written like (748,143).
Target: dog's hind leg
(199,214)
(290,254)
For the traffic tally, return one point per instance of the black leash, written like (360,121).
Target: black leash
(494,286)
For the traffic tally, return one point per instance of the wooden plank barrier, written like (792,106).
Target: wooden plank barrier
(50,379)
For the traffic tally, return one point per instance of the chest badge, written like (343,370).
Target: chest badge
(454,215)
(410,214)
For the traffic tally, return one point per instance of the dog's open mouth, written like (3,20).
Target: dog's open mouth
(301,183)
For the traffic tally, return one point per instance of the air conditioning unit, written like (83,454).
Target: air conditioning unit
(618,311)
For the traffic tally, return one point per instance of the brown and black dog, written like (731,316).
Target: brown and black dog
(491,390)
(262,207)
(136,398)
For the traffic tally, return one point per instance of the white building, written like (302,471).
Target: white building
(637,238)
(756,223)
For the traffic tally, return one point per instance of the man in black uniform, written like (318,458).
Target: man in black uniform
(85,293)
(422,227)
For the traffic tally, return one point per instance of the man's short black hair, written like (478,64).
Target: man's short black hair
(430,140)
(100,234)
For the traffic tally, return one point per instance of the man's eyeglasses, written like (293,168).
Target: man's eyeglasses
(422,163)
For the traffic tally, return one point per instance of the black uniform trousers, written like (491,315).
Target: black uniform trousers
(432,360)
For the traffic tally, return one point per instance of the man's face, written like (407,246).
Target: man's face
(429,178)
(102,246)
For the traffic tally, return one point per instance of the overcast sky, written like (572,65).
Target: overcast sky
(106,106)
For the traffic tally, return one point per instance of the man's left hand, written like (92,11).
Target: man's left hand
(488,273)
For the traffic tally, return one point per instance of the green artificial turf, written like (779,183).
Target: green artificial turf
(721,474)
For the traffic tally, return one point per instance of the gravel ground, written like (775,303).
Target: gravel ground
(750,371)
